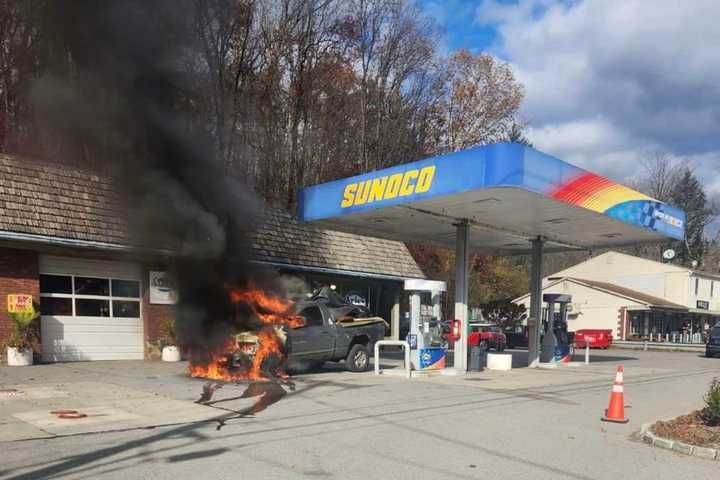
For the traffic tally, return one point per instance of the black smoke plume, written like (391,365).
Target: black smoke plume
(123,91)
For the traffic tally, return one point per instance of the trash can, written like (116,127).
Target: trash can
(478,358)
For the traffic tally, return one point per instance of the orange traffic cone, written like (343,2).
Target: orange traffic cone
(616,407)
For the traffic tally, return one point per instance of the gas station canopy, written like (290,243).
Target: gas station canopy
(498,199)
(507,193)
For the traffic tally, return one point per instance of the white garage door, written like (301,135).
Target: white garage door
(91,310)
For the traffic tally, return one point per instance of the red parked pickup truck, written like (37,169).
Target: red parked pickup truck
(595,337)
(487,335)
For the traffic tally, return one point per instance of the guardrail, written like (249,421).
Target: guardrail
(397,343)
(684,338)
(635,345)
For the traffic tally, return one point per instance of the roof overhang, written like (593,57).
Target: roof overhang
(701,311)
(508,193)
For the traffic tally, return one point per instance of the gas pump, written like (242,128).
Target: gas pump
(426,335)
(555,342)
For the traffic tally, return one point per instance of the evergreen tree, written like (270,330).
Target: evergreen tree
(517,135)
(689,195)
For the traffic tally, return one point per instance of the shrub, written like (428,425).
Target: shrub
(24,335)
(711,413)
(167,334)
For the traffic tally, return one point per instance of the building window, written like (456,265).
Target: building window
(712,288)
(56,306)
(125,288)
(55,284)
(126,309)
(90,307)
(68,295)
(92,286)
(697,285)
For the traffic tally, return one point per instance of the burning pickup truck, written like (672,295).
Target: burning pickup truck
(305,336)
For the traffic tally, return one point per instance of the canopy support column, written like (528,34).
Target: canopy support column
(462,256)
(534,320)
(395,317)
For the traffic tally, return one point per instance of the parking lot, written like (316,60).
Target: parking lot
(535,423)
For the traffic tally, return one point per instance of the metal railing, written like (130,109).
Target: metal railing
(399,343)
(684,338)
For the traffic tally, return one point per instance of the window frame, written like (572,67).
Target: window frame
(73,296)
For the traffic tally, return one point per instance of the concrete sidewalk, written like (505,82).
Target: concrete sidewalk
(113,396)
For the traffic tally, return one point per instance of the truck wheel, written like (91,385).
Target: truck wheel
(358,358)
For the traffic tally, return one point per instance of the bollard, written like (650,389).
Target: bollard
(644,345)
(587,353)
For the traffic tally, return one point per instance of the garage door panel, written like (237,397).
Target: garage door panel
(71,338)
(74,355)
(53,265)
(90,325)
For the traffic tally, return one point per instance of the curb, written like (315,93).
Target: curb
(650,438)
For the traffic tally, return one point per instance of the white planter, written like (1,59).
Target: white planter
(19,358)
(499,361)
(170,354)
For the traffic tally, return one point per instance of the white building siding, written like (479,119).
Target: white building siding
(592,308)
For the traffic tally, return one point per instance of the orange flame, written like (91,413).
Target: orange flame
(272,311)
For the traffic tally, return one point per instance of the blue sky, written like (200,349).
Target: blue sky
(457,19)
(607,82)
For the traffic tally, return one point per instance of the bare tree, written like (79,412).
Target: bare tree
(290,92)
(661,173)
(18,64)
(478,103)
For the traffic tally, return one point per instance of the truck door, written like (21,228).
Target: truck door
(316,339)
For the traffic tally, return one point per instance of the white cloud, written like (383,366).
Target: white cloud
(609,80)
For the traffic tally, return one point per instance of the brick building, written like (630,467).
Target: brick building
(64,240)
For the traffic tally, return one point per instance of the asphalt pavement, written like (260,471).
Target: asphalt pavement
(527,423)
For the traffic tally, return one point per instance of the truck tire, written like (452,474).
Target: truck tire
(358,359)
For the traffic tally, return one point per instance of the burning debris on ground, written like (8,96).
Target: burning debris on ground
(256,353)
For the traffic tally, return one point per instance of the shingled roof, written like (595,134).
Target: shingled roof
(281,239)
(49,200)
(640,297)
(52,200)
